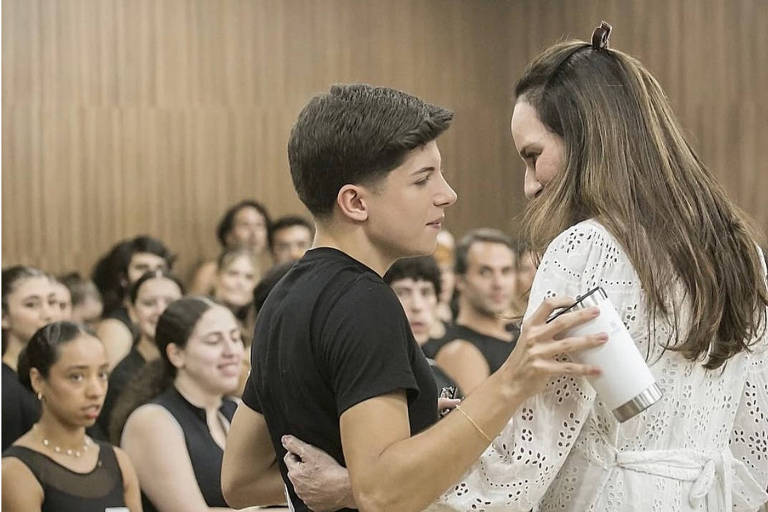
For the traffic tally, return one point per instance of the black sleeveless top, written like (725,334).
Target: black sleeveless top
(65,490)
(205,454)
(495,350)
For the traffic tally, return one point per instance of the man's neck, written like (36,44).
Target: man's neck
(490,325)
(352,241)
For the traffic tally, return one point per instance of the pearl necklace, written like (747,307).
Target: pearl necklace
(69,451)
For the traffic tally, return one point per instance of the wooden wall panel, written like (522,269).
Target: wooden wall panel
(123,117)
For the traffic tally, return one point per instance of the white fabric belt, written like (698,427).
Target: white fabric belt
(717,476)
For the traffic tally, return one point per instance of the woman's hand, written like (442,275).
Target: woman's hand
(533,361)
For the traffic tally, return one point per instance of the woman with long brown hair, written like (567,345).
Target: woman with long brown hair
(620,200)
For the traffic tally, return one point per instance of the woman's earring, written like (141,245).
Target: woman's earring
(40,395)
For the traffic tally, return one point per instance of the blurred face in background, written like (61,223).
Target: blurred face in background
(152,299)
(249,230)
(143,262)
(235,281)
(419,301)
(88,312)
(489,283)
(32,304)
(213,354)
(290,243)
(64,297)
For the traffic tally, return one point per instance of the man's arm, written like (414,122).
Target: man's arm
(389,470)
(249,471)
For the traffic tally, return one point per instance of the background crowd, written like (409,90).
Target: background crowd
(173,355)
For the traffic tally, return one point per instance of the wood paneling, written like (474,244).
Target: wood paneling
(123,117)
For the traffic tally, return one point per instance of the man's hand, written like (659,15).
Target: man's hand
(321,483)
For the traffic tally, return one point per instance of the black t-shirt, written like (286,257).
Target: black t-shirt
(332,334)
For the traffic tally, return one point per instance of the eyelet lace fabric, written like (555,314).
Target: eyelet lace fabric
(702,447)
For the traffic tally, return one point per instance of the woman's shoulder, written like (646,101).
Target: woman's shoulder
(587,233)
(586,241)
(151,419)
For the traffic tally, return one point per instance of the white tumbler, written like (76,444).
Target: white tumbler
(626,385)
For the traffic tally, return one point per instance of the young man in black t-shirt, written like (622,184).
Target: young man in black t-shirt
(333,360)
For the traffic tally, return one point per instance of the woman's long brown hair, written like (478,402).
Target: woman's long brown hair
(630,167)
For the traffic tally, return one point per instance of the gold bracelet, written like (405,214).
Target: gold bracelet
(474,424)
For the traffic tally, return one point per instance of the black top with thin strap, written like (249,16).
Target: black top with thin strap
(65,490)
(205,454)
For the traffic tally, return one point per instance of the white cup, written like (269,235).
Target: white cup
(626,384)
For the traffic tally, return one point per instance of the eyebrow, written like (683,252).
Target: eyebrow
(423,170)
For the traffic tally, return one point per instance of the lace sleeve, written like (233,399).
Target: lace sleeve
(516,470)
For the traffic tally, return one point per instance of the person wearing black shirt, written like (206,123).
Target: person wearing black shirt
(480,341)
(56,466)
(333,358)
(29,302)
(417,283)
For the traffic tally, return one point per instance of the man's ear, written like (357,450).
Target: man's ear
(352,202)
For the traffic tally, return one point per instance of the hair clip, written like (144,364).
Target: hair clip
(600,36)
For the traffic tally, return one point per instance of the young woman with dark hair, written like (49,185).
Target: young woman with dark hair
(114,274)
(173,418)
(148,298)
(56,467)
(29,302)
(245,225)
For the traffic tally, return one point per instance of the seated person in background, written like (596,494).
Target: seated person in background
(244,225)
(86,299)
(290,237)
(149,296)
(480,341)
(64,297)
(29,302)
(446,260)
(236,277)
(416,282)
(113,275)
(56,467)
(174,417)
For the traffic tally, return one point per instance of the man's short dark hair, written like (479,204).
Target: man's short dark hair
(289,221)
(228,220)
(423,268)
(490,235)
(356,134)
